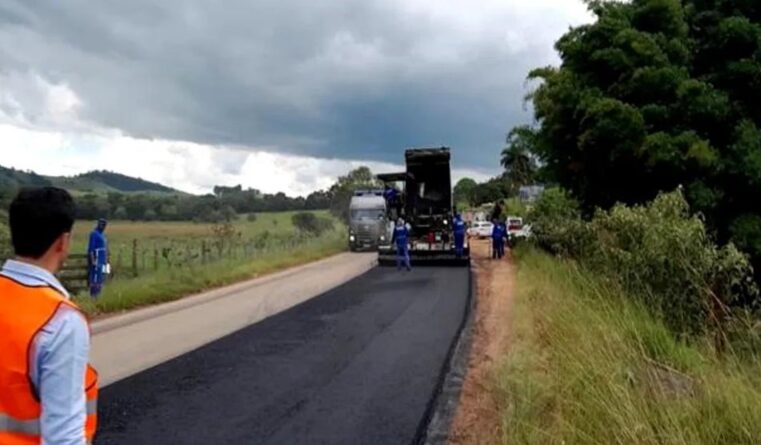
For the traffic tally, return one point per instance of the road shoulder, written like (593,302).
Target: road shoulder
(477,418)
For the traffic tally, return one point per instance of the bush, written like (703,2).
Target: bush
(309,223)
(5,241)
(251,217)
(658,252)
(556,224)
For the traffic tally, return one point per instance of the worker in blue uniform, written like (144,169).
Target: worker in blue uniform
(97,258)
(391,195)
(505,234)
(498,239)
(401,238)
(459,229)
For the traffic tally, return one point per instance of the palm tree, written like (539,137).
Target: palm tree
(518,158)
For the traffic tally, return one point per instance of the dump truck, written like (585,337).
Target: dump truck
(368,219)
(426,206)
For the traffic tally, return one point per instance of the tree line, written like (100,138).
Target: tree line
(656,95)
(224,204)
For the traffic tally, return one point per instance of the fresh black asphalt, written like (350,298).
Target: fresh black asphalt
(357,365)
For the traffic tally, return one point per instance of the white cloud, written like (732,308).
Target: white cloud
(190,167)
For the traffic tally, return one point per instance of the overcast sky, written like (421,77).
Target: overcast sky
(279,95)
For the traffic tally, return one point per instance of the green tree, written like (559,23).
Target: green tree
(464,191)
(518,157)
(342,191)
(653,95)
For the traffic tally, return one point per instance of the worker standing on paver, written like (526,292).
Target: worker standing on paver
(401,237)
(391,195)
(97,258)
(48,392)
(459,229)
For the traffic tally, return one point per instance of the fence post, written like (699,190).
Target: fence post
(134,257)
(203,252)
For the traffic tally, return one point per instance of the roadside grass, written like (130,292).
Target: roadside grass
(589,366)
(171,284)
(122,233)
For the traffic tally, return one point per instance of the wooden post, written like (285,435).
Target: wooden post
(134,257)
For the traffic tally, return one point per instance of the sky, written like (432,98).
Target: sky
(279,95)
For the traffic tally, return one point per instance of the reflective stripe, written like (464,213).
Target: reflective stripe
(92,407)
(11,425)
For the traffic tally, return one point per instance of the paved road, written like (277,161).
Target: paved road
(358,364)
(125,345)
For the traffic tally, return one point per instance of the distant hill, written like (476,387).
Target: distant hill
(12,178)
(114,182)
(91,182)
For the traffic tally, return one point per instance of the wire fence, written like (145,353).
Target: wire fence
(139,257)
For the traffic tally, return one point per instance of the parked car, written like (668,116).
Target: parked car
(481,229)
(514,225)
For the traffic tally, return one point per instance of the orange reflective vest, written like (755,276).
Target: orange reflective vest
(24,311)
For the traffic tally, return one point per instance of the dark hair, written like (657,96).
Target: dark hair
(38,217)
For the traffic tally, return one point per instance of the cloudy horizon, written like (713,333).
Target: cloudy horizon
(278,96)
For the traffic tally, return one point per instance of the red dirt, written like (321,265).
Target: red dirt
(477,420)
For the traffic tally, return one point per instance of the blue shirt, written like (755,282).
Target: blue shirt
(58,362)
(400,236)
(498,232)
(98,248)
(459,226)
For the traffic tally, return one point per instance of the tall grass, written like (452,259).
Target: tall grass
(170,284)
(589,365)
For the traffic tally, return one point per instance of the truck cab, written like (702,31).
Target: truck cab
(368,220)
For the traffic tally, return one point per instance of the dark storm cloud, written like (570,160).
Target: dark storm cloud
(341,78)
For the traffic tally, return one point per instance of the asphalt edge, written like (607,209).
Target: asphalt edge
(436,423)
(142,314)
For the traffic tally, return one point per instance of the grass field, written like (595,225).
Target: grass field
(122,233)
(589,366)
(168,263)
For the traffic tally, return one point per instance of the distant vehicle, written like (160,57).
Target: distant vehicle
(427,207)
(367,220)
(514,224)
(481,229)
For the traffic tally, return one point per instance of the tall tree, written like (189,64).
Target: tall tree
(518,158)
(655,94)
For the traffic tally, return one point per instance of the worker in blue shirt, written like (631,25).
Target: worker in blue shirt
(392,199)
(97,258)
(505,235)
(459,229)
(401,238)
(498,239)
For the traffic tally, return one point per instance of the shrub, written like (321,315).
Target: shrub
(658,252)
(309,223)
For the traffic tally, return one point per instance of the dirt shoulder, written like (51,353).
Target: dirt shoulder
(477,419)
